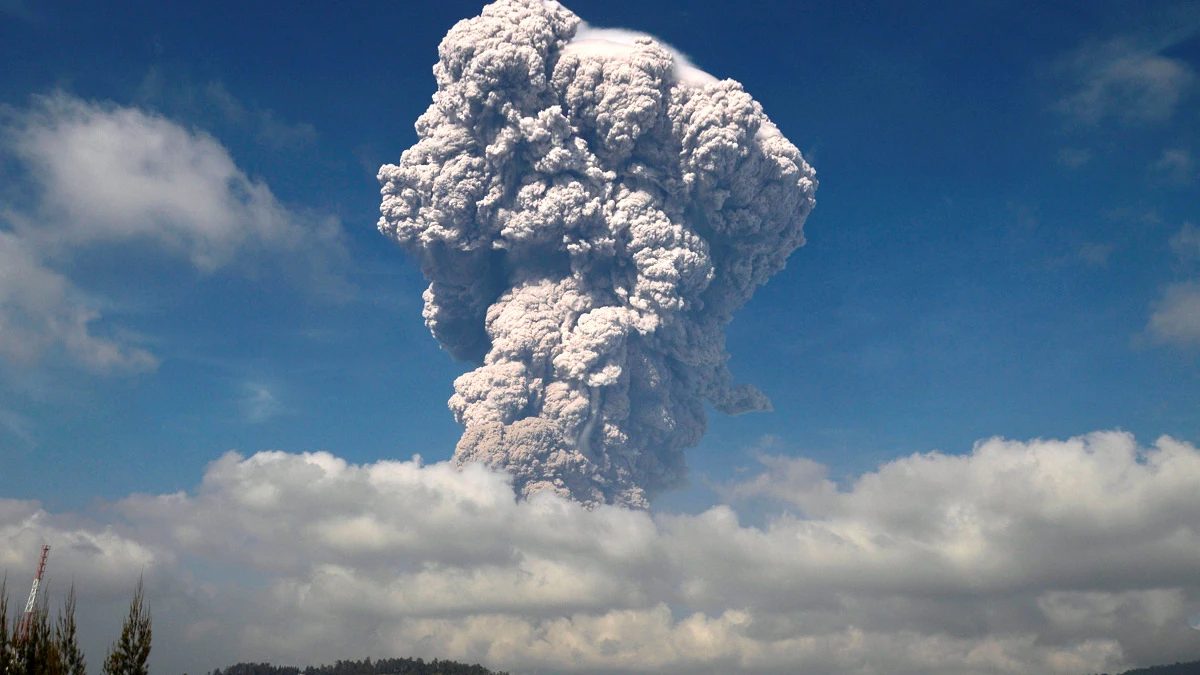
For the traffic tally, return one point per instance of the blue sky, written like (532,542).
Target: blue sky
(1005,240)
(993,229)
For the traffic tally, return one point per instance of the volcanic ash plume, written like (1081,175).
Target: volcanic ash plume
(590,211)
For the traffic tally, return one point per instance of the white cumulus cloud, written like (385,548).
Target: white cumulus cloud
(101,175)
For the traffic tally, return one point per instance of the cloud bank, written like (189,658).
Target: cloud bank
(1046,557)
(590,209)
(94,176)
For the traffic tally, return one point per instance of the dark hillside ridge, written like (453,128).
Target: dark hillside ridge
(1189,668)
(366,667)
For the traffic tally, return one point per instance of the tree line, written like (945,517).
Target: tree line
(365,667)
(45,647)
(51,647)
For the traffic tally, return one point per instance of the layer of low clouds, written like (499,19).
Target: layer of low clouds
(1044,556)
(99,176)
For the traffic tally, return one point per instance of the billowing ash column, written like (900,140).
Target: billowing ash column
(590,210)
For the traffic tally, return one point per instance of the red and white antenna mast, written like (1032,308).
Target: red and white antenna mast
(27,618)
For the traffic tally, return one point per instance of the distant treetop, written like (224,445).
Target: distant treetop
(365,667)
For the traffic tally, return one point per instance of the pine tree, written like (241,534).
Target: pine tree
(129,654)
(6,656)
(36,652)
(72,661)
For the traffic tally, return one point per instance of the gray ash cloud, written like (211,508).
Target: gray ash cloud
(590,210)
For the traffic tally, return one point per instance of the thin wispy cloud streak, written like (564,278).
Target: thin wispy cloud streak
(214,105)
(1176,166)
(1176,317)
(18,426)
(1186,243)
(1129,78)
(1176,314)
(16,9)
(259,402)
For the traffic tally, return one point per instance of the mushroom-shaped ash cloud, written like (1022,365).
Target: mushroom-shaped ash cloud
(590,210)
